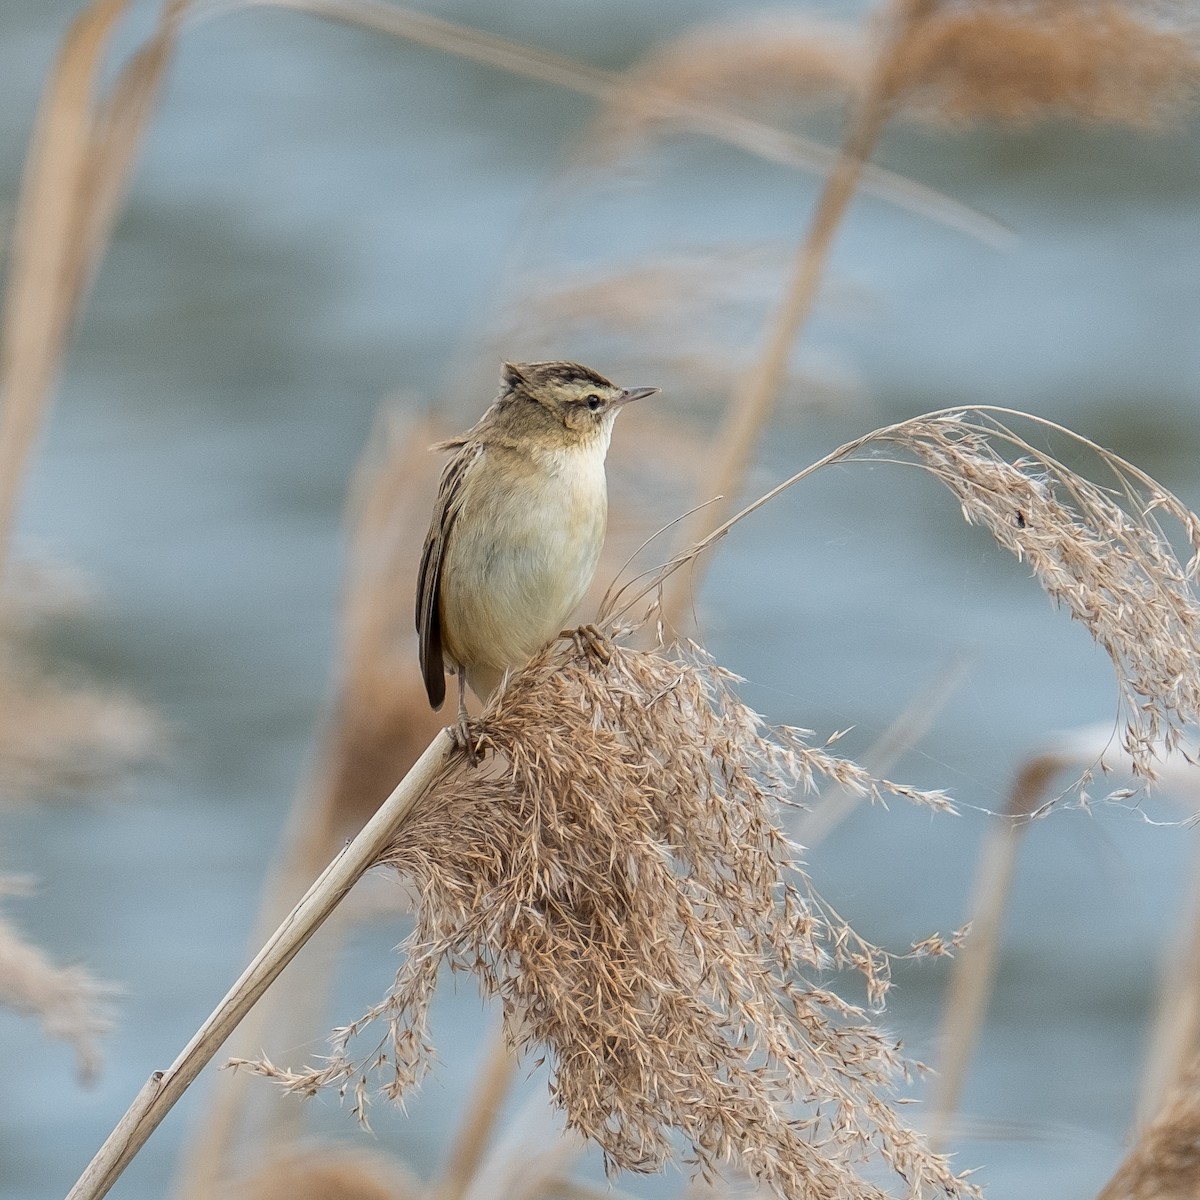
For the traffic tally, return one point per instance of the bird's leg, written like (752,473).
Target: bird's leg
(589,639)
(461,731)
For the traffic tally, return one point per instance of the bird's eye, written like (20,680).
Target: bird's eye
(593,402)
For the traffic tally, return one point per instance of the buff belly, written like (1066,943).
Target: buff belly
(510,582)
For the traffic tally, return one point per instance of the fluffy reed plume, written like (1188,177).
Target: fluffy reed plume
(1098,550)
(327,1173)
(379,723)
(1122,62)
(618,879)
(1165,1162)
(69,1003)
(58,733)
(758,63)
(1018,61)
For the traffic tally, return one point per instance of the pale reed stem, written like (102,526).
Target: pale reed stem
(307,841)
(973,974)
(474,1133)
(973,971)
(80,161)
(36,305)
(1175,1037)
(165,1087)
(753,400)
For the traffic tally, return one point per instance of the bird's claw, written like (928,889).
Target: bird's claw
(460,735)
(589,640)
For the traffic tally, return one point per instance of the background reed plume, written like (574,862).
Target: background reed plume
(61,737)
(952,62)
(69,1002)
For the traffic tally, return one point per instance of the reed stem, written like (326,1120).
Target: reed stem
(165,1087)
(487,1099)
(753,401)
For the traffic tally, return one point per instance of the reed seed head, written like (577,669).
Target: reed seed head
(615,875)
(1101,551)
(70,1004)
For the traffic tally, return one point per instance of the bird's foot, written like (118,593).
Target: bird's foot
(461,735)
(460,731)
(589,640)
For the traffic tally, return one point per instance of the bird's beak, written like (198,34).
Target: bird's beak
(631,394)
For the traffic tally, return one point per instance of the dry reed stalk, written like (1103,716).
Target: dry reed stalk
(164,1088)
(763,141)
(207,1160)
(1175,1034)
(35,308)
(469,1148)
(617,879)
(70,1004)
(751,403)
(532,1159)
(78,166)
(1164,1164)
(973,971)
(56,735)
(379,724)
(33,319)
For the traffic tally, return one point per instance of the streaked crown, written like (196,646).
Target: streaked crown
(564,402)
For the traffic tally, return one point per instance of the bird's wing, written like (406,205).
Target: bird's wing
(429,578)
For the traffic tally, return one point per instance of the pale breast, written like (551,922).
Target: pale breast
(522,553)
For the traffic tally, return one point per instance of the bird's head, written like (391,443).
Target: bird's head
(562,403)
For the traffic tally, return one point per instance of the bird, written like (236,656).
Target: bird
(517,525)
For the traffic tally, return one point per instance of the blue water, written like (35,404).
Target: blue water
(324,219)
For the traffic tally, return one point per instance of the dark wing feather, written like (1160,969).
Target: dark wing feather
(429,578)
